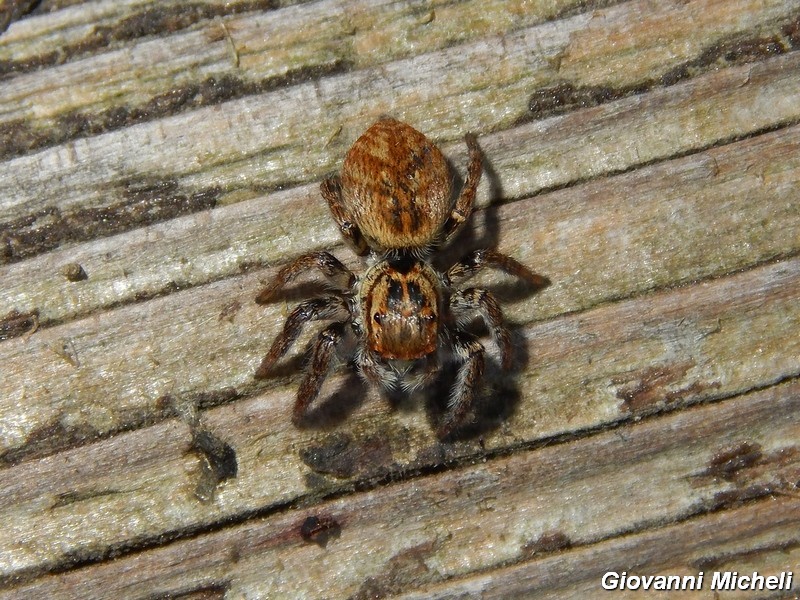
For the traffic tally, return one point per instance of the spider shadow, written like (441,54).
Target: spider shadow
(496,399)
(471,237)
(498,396)
(299,292)
(331,409)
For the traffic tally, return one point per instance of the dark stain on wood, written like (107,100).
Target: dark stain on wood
(746,464)
(229,311)
(47,440)
(144,202)
(146,22)
(218,462)
(405,570)
(727,463)
(68,498)
(564,97)
(547,543)
(738,497)
(320,529)
(641,391)
(437,454)
(12,10)
(342,456)
(18,137)
(710,563)
(55,436)
(212,592)
(16,323)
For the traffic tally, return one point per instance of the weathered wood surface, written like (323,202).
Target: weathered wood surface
(643,156)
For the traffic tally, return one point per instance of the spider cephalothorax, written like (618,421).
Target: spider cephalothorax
(400,300)
(399,321)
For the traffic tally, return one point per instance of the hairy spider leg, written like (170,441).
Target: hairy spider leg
(471,354)
(331,190)
(374,370)
(322,352)
(473,262)
(328,307)
(466,199)
(485,304)
(330,266)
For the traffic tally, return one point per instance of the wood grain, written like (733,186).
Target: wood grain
(158,162)
(580,493)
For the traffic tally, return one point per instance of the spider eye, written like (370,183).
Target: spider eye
(377,318)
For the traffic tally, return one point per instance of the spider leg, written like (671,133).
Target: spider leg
(331,190)
(376,371)
(463,207)
(471,353)
(422,377)
(486,305)
(321,354)
(317,309)
(478,259)
(326,262)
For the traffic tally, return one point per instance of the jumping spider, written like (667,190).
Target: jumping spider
(401,319)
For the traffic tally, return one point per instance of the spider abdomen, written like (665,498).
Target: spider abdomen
(396,186)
